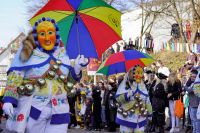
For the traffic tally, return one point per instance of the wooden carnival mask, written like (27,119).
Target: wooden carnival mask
(136,74)
(46,35)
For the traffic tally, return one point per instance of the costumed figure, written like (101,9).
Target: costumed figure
(42,74)
(134,105)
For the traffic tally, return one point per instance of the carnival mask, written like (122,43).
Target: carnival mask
(46,35)
(138,74)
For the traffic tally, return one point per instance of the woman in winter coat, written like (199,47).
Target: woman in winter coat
(173,94)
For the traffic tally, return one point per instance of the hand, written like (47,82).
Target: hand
(8,109)
(169,95)
(80,62)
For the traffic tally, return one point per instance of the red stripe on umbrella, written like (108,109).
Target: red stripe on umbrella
(115,58)
(55,5)
(131,63)
(96,28)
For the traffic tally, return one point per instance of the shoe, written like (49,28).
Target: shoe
(161,130)
(188,129)
(168,128)
(1,130)
(77,127)
(176,129)
(172,130)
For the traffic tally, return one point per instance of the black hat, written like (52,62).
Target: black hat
(148,72)
(161,75)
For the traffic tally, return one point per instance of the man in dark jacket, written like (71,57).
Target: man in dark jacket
(96,95)
(111,107)
(193,100)
(159,103)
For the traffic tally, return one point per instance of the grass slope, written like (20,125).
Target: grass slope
(173,60)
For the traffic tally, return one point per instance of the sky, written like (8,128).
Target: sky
(13,20)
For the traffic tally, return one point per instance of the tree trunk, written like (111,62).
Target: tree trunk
(194,9)
(179,20)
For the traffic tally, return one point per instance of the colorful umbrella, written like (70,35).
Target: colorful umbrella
(123,61)
(87,27)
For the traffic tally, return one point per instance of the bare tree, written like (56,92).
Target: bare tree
(195,5)
(150,11)
(33,7)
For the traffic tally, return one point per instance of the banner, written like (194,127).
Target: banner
(93,66)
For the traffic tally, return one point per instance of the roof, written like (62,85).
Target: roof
(13,41)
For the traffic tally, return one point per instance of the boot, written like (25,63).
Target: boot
(161,130)
(152,128)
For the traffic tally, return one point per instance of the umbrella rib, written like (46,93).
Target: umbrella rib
(91,9)
(98,7)
(61,12)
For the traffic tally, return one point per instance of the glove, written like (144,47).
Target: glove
(80,62)
(8,109)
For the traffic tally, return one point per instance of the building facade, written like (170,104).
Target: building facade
(6,57)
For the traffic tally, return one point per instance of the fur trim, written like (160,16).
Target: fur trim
(28,47)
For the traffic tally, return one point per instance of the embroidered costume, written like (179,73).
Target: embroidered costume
(134,104)
(47,76)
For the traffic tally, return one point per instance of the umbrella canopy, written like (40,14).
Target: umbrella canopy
(122,61)
(87,27)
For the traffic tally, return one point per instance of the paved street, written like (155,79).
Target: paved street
(71,130)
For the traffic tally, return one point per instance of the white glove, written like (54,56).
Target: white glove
(8,109)
(79,62)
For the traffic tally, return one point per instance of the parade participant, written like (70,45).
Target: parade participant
(41,69)
(134,104)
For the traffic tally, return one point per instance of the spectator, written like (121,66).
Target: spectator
(117,47)
(96,95)
(173,94)
(104,93)
(130,44)
(158,103)
(162,68)
(111,107)
(193,101)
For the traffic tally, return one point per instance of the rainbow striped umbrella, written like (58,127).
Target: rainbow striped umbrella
(87,27)
(122,62)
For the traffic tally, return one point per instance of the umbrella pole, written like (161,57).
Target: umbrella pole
(95,79)
(77,32)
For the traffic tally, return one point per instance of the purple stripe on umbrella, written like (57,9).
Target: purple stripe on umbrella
(129,54)
(74,3)
(85,41)
(116,68)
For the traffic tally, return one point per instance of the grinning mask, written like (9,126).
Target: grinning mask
(46,34)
